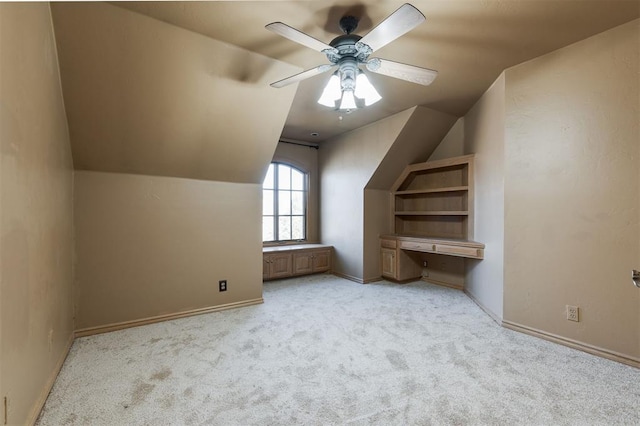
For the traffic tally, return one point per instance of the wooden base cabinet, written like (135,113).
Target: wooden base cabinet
(289,261)
(388,262)
(277,265)
(310,262)
(397,264)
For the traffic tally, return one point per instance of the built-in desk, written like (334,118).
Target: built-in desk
(401,260)
(291,260)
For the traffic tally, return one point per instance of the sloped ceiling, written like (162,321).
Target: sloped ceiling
(470,42)
(419,137)
(182,88)
(149,98)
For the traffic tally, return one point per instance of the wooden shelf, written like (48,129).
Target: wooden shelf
(433,213)
(435,199)
(432,191)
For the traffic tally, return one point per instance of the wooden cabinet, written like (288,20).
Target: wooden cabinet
(388,263)
(301,259)
(276,265)
(432,207)
(311,261)
(398,264)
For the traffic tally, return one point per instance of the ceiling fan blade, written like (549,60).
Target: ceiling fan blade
(398,23)
(298,36)
(411,73)
(302,76)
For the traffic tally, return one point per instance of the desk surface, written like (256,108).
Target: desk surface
(434,240)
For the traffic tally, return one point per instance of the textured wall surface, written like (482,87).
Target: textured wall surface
(452,144)
(347,163)
(572,193)
(148,245)
(36,308)
(484,137)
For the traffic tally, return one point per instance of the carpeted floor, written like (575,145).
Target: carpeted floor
(322,351)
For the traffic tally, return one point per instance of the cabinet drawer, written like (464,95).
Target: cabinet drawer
(417,246)
(388,243)
(458,251)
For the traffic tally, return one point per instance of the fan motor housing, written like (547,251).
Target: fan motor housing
(347,45)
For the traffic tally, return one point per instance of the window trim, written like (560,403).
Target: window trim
(276,215)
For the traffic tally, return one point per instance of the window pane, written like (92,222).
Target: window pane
(297,202)
(269,178)
(284,196)
(284,177)
(284,202)
(267,202)
(267,228)
(297,228)
(297,180)
(284,228)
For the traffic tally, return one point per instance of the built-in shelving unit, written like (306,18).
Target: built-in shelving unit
(433,199)
(432,209)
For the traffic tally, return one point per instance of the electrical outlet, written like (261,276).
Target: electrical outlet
(573,313)
(222,285)
(424,264)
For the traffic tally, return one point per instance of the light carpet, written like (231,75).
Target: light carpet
(322,350)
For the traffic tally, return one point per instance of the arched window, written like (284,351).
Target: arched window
(284,204)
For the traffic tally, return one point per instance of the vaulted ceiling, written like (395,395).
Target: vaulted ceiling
(470,42)
(182,88)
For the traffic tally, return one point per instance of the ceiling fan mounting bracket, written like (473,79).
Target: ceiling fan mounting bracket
(348,24)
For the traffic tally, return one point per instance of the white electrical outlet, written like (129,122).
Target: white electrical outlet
(573,313)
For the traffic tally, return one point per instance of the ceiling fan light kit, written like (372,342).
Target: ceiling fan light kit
(332,92)
(349,88)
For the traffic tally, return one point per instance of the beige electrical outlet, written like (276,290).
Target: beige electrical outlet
(573,313)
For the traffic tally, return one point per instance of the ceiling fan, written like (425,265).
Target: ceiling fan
(349,87)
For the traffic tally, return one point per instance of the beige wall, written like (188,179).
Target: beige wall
(346,164)
(357,171)
(377,221)
(149,246)
(419,137)
(572,191)
(36,310)
(452,145)
(484,137)
(305,158)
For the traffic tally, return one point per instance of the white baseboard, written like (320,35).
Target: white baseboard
(585,347)
(151,320)
(44,394)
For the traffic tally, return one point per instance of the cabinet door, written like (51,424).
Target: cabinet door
(321,260)
(302,263)
(280,265)
(388,262)
(265,266)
